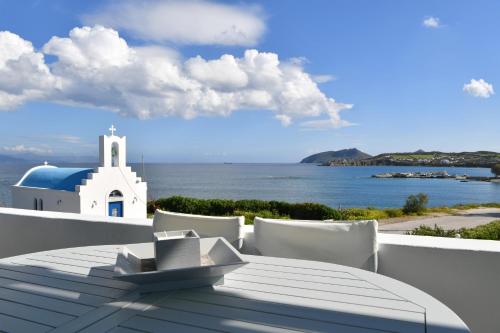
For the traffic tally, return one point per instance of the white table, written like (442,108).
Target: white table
(73,290)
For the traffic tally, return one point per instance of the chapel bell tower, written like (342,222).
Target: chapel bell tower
(112,150)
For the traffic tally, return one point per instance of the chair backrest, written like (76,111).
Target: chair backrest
(229,227)
(346,243)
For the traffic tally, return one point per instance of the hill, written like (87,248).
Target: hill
(343,155)
(484,159)
(10,159)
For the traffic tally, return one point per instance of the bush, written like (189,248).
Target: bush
(437,231)
(487,231)
(248,208)
(416,204)
(496,170)
(250,216)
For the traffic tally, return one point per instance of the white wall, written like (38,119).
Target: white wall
(105,144)
(53,200)
(462,273)
(25,231)
(94,194)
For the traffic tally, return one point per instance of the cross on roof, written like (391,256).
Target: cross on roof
(112,129)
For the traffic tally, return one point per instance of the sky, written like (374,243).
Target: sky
(248,81)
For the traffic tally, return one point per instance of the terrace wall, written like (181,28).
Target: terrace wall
(463,274)
(25,231)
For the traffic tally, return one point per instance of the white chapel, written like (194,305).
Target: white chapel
(112,189)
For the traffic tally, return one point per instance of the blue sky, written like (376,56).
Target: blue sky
(405,81)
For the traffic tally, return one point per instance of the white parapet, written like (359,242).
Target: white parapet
(25,231)
(462,273)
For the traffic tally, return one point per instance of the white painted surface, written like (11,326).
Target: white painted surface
(462,273)
(53,200)
(353,243)
(229,227)
(25,231)
(73,290)
(92,197)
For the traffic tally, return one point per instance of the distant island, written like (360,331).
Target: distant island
(355,157)
(327,157)
(10,159)
(28,158)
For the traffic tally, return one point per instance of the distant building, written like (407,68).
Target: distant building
(112,189)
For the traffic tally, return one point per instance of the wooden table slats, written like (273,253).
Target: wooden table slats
(73,290)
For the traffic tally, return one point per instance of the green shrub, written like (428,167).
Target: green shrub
(248,208)
(487,231)
(393,212)
(416,204)
(249,216)
(495,169)
(437,231)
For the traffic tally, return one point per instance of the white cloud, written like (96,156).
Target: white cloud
(479,88)
(186,22)
(324,124)
(284,119)
(323,78)
(431,22)
(69,138)
(95,67)
(18,149)
(23,72)
(224,73)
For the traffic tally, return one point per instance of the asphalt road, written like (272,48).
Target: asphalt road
(466,219)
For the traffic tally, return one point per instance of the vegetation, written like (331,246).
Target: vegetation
(352,154)
(248,208)
(486,159)
(416,204)
(268,209)
(487,231)
(496,169)
(306,211)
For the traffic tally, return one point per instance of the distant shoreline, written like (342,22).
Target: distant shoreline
(355,157)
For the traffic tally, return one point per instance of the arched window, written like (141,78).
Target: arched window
(116,194)
(35,204)
(115,152)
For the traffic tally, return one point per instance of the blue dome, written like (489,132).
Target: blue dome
(64,179)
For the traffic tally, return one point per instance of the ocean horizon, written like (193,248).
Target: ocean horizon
(293,182)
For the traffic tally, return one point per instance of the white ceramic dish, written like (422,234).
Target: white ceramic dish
(218,258)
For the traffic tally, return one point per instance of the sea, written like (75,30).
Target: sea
(333,186)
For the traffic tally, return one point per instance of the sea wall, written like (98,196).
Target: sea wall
(25,231)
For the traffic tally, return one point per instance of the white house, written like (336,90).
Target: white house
(112,189)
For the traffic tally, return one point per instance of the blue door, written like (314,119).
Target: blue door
(116,208)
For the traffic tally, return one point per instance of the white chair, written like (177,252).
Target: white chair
(346,243)
(230,227)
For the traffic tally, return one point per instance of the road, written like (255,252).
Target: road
(464,219)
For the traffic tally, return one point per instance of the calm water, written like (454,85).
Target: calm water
(334,186)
